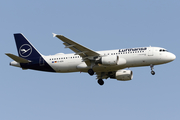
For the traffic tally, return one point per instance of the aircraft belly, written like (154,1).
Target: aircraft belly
(65,67)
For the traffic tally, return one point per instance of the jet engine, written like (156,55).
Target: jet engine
(110,60)
(124,75)
(107,60)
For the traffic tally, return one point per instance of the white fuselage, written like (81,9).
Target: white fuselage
(135,57)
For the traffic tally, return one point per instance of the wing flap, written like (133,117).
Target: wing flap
(17,59)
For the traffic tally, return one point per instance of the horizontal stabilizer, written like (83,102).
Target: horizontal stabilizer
(17,59)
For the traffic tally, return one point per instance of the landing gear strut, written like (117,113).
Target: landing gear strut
(91,72)
(101,82)
(152,67)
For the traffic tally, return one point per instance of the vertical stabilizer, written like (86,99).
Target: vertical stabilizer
(25,48)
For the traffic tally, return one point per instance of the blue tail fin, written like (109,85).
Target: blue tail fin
(25,48)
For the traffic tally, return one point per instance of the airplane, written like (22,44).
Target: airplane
(105,64)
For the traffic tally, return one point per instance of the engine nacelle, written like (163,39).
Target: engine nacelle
(111,60)
(124,75)
(107,60)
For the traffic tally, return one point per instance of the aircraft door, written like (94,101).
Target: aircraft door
(41,61)
(150,51)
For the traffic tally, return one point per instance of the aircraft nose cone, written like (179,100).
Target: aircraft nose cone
(172,57)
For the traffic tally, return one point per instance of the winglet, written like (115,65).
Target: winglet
(54,35)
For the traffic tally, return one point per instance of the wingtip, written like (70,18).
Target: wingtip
(7,54)
(54,35)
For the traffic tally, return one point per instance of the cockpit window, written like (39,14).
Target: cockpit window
(162,50)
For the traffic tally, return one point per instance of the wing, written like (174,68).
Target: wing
(86,53)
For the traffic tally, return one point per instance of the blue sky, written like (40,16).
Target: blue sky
(98,25)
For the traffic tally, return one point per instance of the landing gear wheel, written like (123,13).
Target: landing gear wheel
(101,82)
(91,72)
(152,72)
(152,67)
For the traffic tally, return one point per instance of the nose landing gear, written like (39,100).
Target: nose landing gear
(152,72)
(152,67)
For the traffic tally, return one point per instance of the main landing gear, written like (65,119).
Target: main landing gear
(101,82)
(152,67)
(91,72)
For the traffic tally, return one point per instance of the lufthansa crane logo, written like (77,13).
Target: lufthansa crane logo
(25,50)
